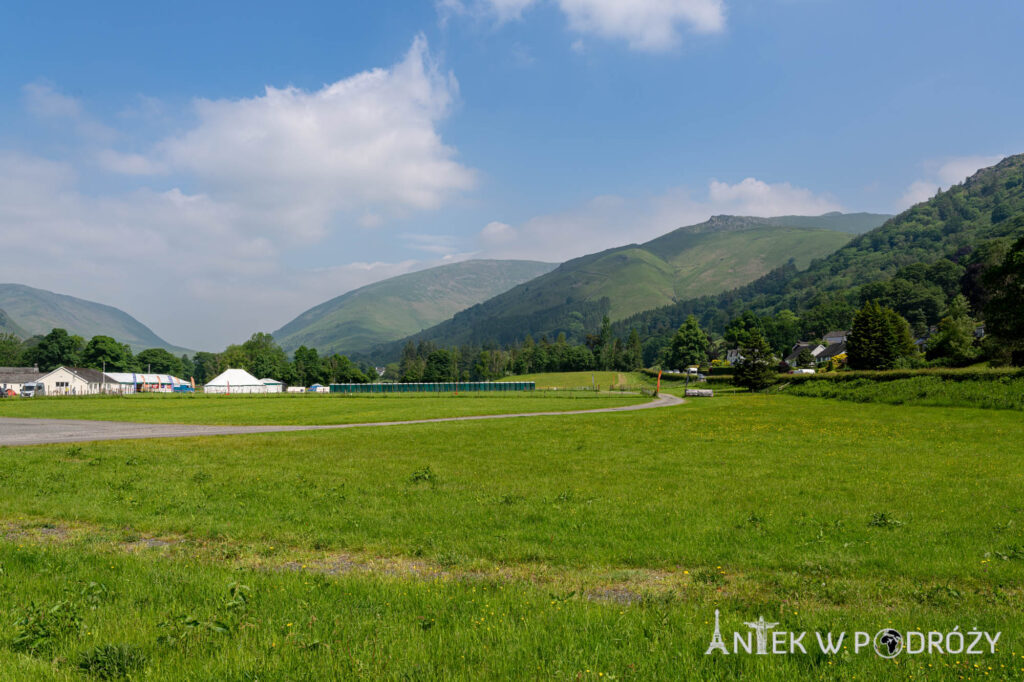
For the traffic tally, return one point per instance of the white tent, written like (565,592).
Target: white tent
(235,381)
(273,385)
(129,382)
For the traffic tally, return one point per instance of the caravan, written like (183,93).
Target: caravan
(33,389)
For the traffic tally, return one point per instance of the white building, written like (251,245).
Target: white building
(73,381)
(13,378)
(139,382)
(234,381)
(273,385)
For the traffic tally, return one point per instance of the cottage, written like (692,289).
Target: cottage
(73,381)
(814,348)
(835,350)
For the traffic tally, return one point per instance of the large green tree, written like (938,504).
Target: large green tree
(160,361)
(757,370)
(10,349)
(105,352)
(1004,314)
(879,338)
(440,366)
(689,346)
(954,340)
(309,368)
(56,349)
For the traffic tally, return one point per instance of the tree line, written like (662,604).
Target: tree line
(926,314)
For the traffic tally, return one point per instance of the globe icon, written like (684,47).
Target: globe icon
(888,643)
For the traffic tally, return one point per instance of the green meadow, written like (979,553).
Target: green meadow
(568,547)
(303,409)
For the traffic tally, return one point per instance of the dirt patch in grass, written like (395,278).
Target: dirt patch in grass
(620,586)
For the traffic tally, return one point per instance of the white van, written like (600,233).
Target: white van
(32,389)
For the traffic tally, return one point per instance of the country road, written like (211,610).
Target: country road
(18,431)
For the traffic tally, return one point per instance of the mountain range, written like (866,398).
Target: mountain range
(715,256)
(913,261)
(397,307)
(26,311)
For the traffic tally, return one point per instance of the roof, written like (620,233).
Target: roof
(143,378)
(832,351)
(235,377)
(271,382)
(837,333)
(800,348)
(19,377)
(90,376)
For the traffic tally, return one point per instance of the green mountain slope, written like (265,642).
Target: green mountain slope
(9,326)
(720,254)
(898,260)
(38,311)
(400,306)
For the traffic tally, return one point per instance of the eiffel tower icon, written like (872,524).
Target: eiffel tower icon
(717,643)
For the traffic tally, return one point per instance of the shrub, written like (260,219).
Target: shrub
(38,627)
(111,661)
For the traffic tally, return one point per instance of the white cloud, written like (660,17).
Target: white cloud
(608,221)
(502,10)
(128,164)
(205,267)
(436,244)
(649,25)
(43,100)
(367,144)
(944,174)
(754,197)
(918,191)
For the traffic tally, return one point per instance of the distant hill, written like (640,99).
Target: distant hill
(37,312)
(397,307)
(9,326)
(948,231)
(718,255)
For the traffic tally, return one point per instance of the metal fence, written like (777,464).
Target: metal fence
(444,387)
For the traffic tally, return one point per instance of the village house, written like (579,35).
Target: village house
(73,381)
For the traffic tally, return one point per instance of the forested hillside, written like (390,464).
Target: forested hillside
(715,256)
(915,263)
(403,305)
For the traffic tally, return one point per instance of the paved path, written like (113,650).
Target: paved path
(15,431)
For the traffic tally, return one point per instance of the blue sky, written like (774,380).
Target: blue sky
(215,169)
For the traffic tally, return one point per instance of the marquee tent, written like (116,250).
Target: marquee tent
(235,381)
(132,382)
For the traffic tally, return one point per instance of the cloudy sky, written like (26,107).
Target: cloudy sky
(214,169)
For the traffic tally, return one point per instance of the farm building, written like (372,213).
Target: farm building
(233,381)
(13,378)
(73,381)
(137,382)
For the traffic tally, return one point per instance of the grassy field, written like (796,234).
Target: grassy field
(569,380)
(302,408)
(584,547)
(1006,393)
